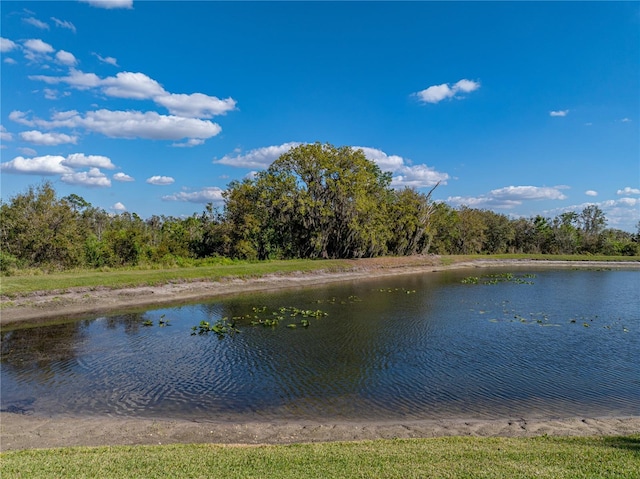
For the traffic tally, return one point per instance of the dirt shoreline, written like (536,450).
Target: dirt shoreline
(20,431)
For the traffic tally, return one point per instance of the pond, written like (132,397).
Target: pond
(481,343)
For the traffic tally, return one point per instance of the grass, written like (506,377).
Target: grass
(118,278)
(446,457)
(27,282)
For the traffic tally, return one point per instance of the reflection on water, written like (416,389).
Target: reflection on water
(410,347)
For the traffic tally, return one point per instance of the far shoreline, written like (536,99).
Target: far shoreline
(76,303)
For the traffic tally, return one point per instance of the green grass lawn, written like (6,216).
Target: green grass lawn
(451,457)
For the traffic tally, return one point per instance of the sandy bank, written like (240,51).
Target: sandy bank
(31,432)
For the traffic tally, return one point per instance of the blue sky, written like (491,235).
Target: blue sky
(154,107)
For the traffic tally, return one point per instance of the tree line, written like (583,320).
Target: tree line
(316,201)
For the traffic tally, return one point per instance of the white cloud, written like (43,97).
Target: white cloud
(211,194)
(4,135)
(625,120)
(36,23)
(258,158)
(27,151)
(160,180)
(10,61)
(50,94)
(6,45)
(119,207)
(591,193)
(196,105)
(437,93)
(49,139)
(629,191)
(559,113)
(529,193)
(66,58)
(190,143)
(38,46)
(108,60)
(64,24)
(76,160)
(93,177)
(126,124)
(509,197)
(109,4)
(20,117)
(139,86)
(136,86)
(40,165)
(384,161)
(123,177)
(75,79)
(417,176)
(482,202)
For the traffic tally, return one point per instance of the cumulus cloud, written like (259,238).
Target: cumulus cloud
(36,23)
(417,176)
(64,24)
(76,160)
(559,113)
(160,180)
(211,194)
(5,135)
(196,105)
(48,139)
(119,207)
(629,191)
(529,193)
(6,45)
(40,165)
(93,178)
(123,177)
(27,151)
(384,161)
(108,60)
(509,197)
(591,193)
(66,58)
(126,124)
(110,4)
(190,143)
(258,158)
(76,79)
(437,93)
(138,86)
(38,46)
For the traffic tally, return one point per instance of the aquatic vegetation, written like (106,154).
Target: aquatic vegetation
(147,322)
(221,328)
(397,290)
(499,278)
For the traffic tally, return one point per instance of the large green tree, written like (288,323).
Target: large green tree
(39,229)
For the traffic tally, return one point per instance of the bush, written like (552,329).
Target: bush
(8,263)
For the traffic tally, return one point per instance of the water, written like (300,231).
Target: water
(545,343)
